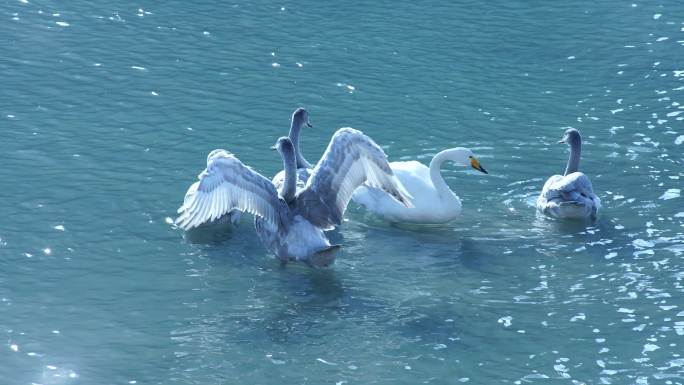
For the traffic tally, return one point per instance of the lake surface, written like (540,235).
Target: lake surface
(108,112)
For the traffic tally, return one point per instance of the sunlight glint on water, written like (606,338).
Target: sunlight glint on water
(110,110)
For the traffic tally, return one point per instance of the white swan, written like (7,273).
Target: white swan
(570,195)
(291,223)
(433,201)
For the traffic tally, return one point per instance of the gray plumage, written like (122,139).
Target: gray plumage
(570,195)
(572,138)
(293,226)
(300,118)
(227,184)
(351,159)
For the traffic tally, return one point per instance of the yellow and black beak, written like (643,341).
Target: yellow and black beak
(476,165)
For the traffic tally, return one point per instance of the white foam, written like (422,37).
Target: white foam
(671,194)
(641,243)
(506,321)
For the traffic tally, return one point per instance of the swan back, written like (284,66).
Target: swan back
(569,196)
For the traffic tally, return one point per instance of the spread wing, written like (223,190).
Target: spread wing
(351,159)
(227,184)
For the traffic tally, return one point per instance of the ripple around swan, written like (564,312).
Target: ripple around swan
(108,113)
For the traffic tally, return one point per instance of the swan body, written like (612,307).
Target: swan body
(292,222)
(570,195)
(301,241)
(433,200)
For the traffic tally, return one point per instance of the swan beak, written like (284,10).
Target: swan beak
(308,124)
(273,148)
(476,165)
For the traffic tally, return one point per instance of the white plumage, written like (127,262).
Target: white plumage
(433,201)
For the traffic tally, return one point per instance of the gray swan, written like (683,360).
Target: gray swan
(300,118)
(570,195)
(292,223)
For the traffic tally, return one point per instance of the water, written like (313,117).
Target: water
(108,112)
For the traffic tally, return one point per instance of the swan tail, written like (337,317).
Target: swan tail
(324,257)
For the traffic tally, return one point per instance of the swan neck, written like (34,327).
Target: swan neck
(289,187)
(295,128)
(436,173)
(574,159)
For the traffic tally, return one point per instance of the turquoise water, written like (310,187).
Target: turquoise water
(108,113)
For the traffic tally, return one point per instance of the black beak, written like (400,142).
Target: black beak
(308,124)
(273,148)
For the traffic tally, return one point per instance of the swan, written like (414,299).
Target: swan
(292,223)
(300,118)
(433,201)
(570,195)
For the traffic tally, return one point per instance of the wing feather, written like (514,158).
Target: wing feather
(227,184)
(351,159)
(575,182)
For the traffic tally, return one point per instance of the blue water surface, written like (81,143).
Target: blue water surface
(108,111)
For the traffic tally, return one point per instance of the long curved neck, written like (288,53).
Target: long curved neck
(574,159)
(289,187)
(295,127)
(436,173)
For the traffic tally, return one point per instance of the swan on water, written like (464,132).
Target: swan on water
(300,118)
(569,195)
(433,200)
(292,223)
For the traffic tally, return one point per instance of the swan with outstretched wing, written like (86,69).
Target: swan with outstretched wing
(290,222)
(300,118)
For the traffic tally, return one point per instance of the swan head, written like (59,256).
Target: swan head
(465,157)
(300,118)
(284,146)
(571,136)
